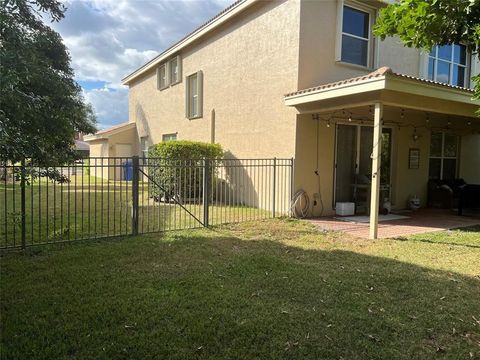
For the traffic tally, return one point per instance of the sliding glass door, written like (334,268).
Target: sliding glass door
(353,164)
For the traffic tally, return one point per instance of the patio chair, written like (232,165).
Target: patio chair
(469,198)
(444,194)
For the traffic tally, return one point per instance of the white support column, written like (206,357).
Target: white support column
(376,163)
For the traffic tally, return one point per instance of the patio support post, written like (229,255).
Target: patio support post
(376,163)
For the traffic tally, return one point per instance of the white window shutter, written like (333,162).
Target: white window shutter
(200,93)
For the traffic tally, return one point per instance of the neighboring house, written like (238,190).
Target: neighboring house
(82,147)
(307,79)
(118,143)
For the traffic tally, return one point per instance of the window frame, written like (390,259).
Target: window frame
(199,95)
(169,136)
(371,43)
(442,156)
(178,79)
(167,77)
(144,146)
(167,65)
(451,63)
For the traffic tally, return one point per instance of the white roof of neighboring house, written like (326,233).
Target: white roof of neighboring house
(82,145)
(106,133)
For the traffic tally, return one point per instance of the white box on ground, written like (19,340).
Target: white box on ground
(345,208)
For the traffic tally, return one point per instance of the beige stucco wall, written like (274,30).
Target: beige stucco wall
(124,137)
(410,182)
(306,154)
(106,147)
(248,65)
(99,148)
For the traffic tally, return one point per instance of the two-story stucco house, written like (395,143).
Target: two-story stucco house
(307,79)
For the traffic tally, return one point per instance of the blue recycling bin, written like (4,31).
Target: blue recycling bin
(128,170)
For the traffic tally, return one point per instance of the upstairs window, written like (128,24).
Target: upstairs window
(448,64)
(162,76)
(194,95)
(443,156)
(356,36)
(169,73)
(174,65)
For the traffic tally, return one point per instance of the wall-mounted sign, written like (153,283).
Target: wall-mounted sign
(414,159)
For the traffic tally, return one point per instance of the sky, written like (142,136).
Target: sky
(108,39)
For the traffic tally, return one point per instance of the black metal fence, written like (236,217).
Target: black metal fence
(115,196)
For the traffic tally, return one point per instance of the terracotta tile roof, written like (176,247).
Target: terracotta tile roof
(381,72)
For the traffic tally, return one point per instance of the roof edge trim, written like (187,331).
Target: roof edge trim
(207,27)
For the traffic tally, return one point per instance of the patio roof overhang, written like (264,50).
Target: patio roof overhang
(383,88)
(390,89)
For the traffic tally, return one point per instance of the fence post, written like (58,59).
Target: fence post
(23,203)
(292,174)
(135,181)
(205,192)
(274,185)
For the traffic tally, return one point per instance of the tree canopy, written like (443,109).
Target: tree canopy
(41,105)
(426,23)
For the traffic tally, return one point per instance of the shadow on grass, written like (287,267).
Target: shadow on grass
(475,229)
(214,295)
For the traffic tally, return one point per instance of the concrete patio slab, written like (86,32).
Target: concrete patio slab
(421,221)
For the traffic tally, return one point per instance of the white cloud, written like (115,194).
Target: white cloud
(111,105)
(108,39)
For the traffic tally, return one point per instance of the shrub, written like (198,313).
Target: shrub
(177,166)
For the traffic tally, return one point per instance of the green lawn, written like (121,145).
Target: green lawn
(266,289)
(91,207)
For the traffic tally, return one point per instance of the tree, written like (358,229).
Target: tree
(41,106)
(425,23)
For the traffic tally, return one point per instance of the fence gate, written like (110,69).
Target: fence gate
(117,196)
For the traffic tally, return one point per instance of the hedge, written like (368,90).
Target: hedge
(178,167)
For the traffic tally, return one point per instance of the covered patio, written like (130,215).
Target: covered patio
(412,108)
(419,222)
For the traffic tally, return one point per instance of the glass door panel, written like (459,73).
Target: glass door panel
(345,162)
(353,166)
(366,147)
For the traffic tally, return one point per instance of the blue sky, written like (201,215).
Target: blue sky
(108,39)
(88,85)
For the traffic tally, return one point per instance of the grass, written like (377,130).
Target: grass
(266,289)
(90,207)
